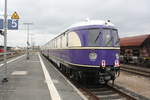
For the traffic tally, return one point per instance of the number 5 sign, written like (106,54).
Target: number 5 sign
(12,24)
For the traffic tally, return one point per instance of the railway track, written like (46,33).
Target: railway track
(136,70)
(106,92)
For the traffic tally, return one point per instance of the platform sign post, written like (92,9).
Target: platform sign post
(11,24)
(5,43)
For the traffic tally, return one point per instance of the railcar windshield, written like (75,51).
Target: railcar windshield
(93,37)
(110,37)
(103,37)
(116,38)
(107,38)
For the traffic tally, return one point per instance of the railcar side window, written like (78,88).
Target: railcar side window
(66,39)
(73,39)
(55,43)
(93,37)
(60,41)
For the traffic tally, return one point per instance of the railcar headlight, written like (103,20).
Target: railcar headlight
(92,56)
(117,56)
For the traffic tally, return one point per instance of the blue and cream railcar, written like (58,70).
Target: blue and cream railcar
(86,48)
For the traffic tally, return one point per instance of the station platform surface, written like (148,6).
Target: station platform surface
(36,79)
(135,83)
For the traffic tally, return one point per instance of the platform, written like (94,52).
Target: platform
(36,79)
(137,84)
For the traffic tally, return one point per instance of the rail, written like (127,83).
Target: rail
(136,70)
(105,92)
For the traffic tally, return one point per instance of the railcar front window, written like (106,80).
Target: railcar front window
(93,37)
(115,37)
(107,37)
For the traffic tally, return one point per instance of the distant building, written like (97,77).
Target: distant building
(135,49)
(136,45)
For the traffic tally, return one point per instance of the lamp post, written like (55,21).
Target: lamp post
(28,24)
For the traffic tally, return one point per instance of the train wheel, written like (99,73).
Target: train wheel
(71,74)
(83,79)
(76,76)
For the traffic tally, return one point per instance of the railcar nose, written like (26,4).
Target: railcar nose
(108,58)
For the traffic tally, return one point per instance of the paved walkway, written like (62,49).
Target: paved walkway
(135,83)
(36,80)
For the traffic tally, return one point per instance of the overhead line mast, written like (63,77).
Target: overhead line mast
(28,24)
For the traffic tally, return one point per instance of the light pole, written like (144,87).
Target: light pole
(5,79)
(28,24)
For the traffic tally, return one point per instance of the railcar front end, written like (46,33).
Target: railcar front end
(99,54)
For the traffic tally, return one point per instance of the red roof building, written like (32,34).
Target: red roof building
(136,45)
(134,41)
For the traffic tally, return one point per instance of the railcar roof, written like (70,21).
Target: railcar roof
(87,22)
(92,22)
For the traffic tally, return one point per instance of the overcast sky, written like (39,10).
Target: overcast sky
(49,17)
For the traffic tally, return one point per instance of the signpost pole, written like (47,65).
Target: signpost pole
(5,43)
(27,38)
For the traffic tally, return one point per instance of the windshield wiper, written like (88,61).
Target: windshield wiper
(97,37)
(109,41)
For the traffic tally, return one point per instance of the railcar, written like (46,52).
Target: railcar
(86,50)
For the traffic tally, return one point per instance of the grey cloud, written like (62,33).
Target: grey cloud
(53,16)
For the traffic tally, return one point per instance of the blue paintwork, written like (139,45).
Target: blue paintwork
(89,27)
(82,56)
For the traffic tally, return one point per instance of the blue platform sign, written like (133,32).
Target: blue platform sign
(1,23)
(12,24)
